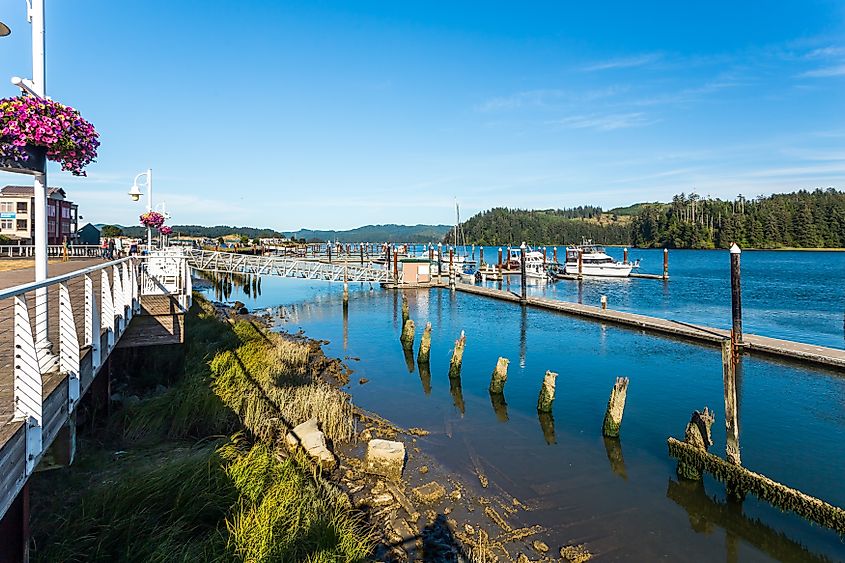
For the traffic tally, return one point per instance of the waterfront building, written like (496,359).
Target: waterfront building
(17,217)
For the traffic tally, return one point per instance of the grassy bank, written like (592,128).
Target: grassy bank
(197,471)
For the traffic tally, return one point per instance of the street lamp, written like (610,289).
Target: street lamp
(135,193)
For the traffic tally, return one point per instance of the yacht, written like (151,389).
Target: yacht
(596,262)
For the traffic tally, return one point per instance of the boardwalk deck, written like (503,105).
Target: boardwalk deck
(811,353)
(115,290)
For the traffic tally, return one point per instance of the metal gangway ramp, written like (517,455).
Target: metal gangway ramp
(229,262)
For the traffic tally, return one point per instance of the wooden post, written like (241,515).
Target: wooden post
(547,393)
(430,253)
(731,415)
(361,250)
(544,257)
(408,333)
(554,254)
(499,377)
(524,296)
(624,255)
(439,261)
(329,251)
(480,256)
(451,268)
(736,297)
(425,345)
(500,259)
(615,408)
(604,301)
(697,435)
(580,263)
(395,267)
(457,356)
(665,263)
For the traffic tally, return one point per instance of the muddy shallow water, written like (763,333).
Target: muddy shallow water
(621,498)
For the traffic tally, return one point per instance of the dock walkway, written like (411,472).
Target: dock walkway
(810,353)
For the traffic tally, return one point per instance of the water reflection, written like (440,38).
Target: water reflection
(523,336)
(408,352)
(547,424)
(613,447)
(457,394)
(425,377)
(706,514)
(500,407)
(345,325)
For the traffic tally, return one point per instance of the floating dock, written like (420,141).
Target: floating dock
(809,353)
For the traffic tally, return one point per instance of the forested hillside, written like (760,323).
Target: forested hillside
(801,219)
(553,226)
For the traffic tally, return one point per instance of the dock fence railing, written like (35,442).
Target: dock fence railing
(50,355)
(53,250)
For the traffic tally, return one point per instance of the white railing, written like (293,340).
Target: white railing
(88,311)
(54,250)
(230,262)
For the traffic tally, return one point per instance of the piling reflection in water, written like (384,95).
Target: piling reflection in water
(547,424)
(706,514)
(523,336)
(500,407)
(457,394)
(345,325)
(425,377)
(613,447)
(408,352)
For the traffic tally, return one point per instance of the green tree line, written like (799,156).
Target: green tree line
(805,219)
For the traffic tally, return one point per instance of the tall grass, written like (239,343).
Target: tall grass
(241,501)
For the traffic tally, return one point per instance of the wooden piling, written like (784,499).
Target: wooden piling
(554,254)
(580,263)
(500,259)
(425,345)
(736,296)
(499,377)
(408,333)
(665,263)
(615,408)
(547,393)
(604,301)
(395,267)
(697,435)
(624,255)
(522,276)
(457,356)
(731,413)
(451,267)
(480,256)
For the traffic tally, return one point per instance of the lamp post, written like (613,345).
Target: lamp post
(135,193)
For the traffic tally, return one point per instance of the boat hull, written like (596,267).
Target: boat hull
(616,270)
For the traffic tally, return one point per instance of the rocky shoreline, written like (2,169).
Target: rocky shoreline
(419,509)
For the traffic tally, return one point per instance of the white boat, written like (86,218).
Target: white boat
(595,262)
(460,259)
(536,269)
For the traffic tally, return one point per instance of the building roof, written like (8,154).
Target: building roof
(23,191)
(85,226)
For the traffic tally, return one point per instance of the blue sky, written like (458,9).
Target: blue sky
(339,114)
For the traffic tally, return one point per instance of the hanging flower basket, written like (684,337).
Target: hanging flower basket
(34,160)
(33,130)
(152,219)
(165,230)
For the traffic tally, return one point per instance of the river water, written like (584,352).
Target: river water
(621,498)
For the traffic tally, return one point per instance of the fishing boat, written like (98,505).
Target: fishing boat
(595,262)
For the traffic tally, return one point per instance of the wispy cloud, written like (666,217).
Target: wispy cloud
(599,122)
(548,97)
(826,72)
(623,62)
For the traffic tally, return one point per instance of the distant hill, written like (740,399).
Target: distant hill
(634,209)
(379,233)
(210,232)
